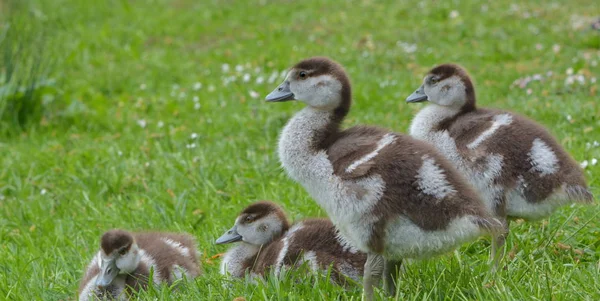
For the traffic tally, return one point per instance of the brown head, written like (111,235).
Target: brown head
(446,85)
(319,82)
(119,255)
(258,224)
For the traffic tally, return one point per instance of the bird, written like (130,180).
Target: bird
(389,195)
(268,244)
(126,260)
(519,169)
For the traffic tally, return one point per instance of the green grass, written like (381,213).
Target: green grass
(87,164)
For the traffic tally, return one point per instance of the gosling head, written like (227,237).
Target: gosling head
(446,85)
(258,224)
(119,255)
(319,82)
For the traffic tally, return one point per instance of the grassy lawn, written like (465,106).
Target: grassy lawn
(153,118)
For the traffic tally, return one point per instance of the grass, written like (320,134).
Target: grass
(152,125)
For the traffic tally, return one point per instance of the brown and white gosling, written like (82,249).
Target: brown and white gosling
(267,243)
(389,195)
(125,260)
(520,170)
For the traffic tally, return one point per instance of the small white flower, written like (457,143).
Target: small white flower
(182,94)
(254,94)
(147,164)
(580,79)
(593,80)
(191,145)
(142,123)
(549,73)
(556,48)
(239,68)
(175,87)
(193,136)
(537,77)
(160,124)
(225,68)
(211,88)
(529,91)
(484,8)
(569,71)
(569,80)
(196,99)
(43,191)
(119,153)
(454,14)
(273,77)
(197,86)
(596,144)
(407,47)
(569,118)
(584,164)
(260,80)
(143,87)
(2,197)
(246,78)
(197,106)
(539,46)
(594,161)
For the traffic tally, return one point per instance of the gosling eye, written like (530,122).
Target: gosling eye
(302,75)
(123,251)
(249,219)
(433,80)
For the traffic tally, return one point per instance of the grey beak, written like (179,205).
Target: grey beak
(230,236)
(281,93)
(417,96)
(108,272)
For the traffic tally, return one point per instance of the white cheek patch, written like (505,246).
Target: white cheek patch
(431,180)
(273,228)
(448,92)
(385,141)
(323,91)
(542,158)
(499,120)
(129,262)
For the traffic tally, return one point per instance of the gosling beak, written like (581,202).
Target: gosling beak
(281,93)
(230,236)
(108,272)
(417,96)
